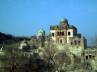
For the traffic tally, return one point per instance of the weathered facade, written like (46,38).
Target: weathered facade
(67,34)
(89,54)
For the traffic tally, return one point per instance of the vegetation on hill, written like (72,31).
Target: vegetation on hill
(9,39)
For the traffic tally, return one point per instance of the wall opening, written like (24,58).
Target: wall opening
(69,33)
(52,34)
(90,56)
(86,57)
(60,41)
(62,33)
(75,42)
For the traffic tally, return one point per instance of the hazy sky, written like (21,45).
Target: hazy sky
(25,17)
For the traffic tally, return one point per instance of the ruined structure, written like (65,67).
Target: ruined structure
(41,37)
(89,54)
(67,34)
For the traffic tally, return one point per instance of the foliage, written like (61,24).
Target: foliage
(46,59)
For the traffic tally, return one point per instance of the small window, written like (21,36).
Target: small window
(71,43)
(60,41)
(93,57)
(79,42)
(62,33)
(75,42)
(52,34)
(58,33)
(86,57)
(90,56)
(69,33)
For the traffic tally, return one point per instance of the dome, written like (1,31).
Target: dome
(40,32)
(64,20)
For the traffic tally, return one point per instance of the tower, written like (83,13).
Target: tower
(64,23)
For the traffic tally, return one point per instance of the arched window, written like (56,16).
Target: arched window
(69,33)
(62,33)
(75,42)
(61,41)
(71,43)
(52,34)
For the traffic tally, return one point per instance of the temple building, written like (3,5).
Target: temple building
(67,34)
(41,37)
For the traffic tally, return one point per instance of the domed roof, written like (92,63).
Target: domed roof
(40,32)
(64,20)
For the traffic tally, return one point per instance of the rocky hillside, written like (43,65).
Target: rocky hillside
(9,39)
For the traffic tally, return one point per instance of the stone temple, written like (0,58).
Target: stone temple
(67,34)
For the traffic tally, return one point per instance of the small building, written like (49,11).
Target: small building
(41,37)
(89,54)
